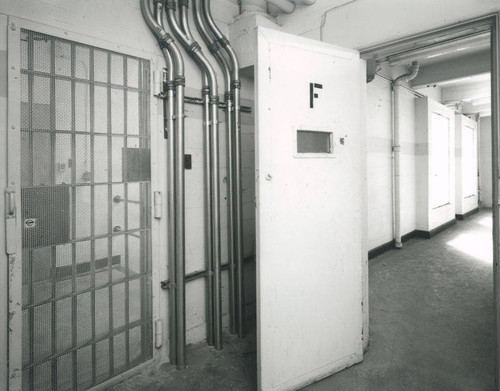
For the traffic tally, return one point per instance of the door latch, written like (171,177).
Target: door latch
(10,221)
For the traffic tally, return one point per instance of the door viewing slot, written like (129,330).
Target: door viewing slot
(85,175)
(311,141)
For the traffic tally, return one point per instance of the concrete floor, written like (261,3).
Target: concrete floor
(431,325)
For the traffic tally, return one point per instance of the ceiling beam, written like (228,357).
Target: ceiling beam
(469,65)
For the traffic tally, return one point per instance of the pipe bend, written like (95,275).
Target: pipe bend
(211,43)
(412,74)
(163,38)
(212,26)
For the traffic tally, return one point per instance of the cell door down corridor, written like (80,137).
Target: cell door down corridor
(310,209)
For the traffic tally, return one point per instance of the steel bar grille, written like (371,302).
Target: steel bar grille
(85,173)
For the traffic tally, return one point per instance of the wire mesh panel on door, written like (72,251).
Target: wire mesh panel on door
(85,174)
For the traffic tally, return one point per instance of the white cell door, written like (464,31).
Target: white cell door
(310,168)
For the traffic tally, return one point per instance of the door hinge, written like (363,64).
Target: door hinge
(10,221)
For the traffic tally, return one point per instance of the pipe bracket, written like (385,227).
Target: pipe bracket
(236,84)
(396,148)
(214,47)
(194,47)
(170,4)
(165,40)
(214,100)
(161,95)
(180,81)
(224,41)
(205,91)
(228,96)
(184,3)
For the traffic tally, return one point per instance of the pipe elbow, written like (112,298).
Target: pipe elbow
(410,75)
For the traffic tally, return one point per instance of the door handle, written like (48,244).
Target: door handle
(11,202)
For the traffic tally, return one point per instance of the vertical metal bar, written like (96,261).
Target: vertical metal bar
(73,209)
(147,209)
(53,254)
(92,207)
(110,217)
(495,127)
(30,104)
(142,130)
(54,316)
(30,130)
(125,237)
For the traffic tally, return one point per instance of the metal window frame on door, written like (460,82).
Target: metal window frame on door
(413,43)
(13,186)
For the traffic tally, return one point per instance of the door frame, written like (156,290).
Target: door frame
(12,181)
(489,22)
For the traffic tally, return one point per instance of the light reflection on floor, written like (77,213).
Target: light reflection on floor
(476,242)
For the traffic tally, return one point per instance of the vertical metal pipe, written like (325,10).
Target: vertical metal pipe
(195,51)
(179,244)
(209,229)
(169,134)
(177,298)
(233,323)
(396,148)
(495,127)
(208,217)
(237,204)
(215,49)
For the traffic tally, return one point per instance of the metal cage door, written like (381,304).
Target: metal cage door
(85,213)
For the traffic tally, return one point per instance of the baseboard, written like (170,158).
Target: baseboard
(390,245)
(375,252)
(435,231)
(467,214)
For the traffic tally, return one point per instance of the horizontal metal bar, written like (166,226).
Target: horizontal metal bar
(222,105)
(79,132)
(113,333)
(165,284)
(87,81)
(92,288)
(83,184)
(103,236)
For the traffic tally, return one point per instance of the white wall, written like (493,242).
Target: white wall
(485,179)
(118,25)
(379,162)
